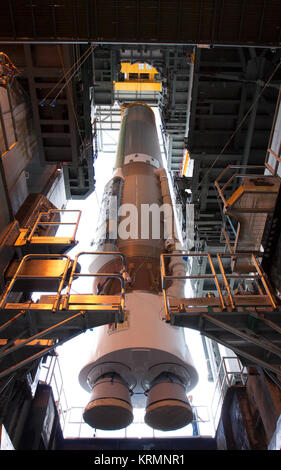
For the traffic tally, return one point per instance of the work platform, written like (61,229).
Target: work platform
(243,314)
(248,207)
(30,329)
(39,240)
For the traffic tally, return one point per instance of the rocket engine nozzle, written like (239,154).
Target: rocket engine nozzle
(110,404)
(167,406)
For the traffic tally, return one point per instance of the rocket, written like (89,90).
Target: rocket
(143,362)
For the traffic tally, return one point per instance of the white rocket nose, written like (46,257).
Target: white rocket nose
(110,405)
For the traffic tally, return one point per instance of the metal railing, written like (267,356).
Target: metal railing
(79,309)
(51,374)
(225,299)
(31,237)
(76,427)
(76,274)
(61,278)
(236,174)
(274,171)
(270,151)
(167,278)
(230,373)
(256,275)
(62,300)
(229,231)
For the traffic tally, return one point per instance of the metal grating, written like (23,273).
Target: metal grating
(183,21)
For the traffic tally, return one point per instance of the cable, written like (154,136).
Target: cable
(90,50)
(241,123)
(63,77)
(71,100)
(273,377)
(69,78)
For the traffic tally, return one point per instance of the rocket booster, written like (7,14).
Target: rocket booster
(143,362)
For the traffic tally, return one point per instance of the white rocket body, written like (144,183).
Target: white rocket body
(143,362)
